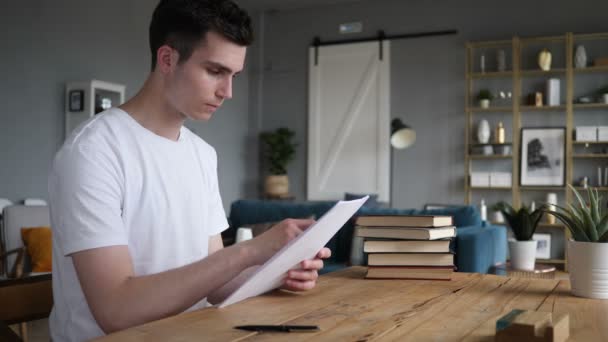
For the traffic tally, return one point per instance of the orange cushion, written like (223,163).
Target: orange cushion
(38,241)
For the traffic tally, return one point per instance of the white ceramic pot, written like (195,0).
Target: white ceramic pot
(605,97)
(523,254)
(588,267)
(497,217)
(484,103)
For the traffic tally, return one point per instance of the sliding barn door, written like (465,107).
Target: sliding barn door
(348,131)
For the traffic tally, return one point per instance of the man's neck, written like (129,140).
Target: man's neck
(150,109)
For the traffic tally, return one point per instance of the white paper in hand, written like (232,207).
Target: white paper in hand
(306,246)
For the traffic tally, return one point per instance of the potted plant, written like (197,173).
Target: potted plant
(603,93)
(279,150)
(587,250)
(523,223)
(484,97)
(497,216)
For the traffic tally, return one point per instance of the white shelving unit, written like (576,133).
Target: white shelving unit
(80,100)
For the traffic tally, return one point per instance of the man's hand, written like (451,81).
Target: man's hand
(270,242)
(305,278)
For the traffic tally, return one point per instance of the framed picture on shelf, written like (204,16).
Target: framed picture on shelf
(76,101)
(543,156)
(543,246)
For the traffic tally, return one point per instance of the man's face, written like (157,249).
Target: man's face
(198,86)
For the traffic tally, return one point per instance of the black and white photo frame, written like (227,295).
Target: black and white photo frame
(76,100)
(543,156)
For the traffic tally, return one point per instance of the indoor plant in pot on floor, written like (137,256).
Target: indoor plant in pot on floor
(523,223)
(279,150)
(588,248)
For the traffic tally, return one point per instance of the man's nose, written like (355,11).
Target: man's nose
(225,89)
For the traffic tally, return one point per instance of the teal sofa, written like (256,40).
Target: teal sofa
(478,246)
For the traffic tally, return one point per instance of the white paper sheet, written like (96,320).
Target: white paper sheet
(306,246)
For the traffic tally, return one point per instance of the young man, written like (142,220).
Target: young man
(135,204)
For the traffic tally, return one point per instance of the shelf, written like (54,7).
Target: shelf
(599,188)
(590,105)
(551,72)
(490,188)
(493,156)
(591,69)
(490,110)
(493,144)
(544,39)
(542,188)
(493,74)
(590,156)
(550,261)
(541,109)
(589,142)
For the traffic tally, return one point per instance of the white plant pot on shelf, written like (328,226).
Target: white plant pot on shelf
(484,103)
(605,98)
(523,254)
(588,267)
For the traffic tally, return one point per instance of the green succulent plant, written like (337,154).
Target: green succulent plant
(485,94)
(523,222)
(603,90)
(587,223)
(279,149)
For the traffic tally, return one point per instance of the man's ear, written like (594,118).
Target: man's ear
(166,58)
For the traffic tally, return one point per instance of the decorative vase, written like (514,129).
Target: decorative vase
(552,202)
(276,185)
(483,132)
(580,57)
(544,60)
(501,60)
(523,254)
(588,267)
(499,136)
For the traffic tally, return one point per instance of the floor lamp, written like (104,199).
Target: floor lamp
(402,137)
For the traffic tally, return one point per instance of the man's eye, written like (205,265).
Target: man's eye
(214,72)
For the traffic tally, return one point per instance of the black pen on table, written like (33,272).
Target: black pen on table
(278,328)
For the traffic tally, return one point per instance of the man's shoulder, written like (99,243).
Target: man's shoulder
(97,130)
(200,144)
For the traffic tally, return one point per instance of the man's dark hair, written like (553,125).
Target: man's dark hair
(183,24)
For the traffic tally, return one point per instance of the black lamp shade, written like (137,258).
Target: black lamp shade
(402,135)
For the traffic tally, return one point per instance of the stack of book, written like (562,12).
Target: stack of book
(408,247)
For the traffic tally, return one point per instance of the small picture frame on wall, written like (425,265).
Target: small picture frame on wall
(543,156)
(543,246)
(76,100)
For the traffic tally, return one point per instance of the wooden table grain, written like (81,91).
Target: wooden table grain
(349,308)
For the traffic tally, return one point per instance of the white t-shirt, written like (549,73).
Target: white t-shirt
(115,182)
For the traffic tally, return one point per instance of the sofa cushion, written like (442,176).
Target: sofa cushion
(372,201)
(244,212)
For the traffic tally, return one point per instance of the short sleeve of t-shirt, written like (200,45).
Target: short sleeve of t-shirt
(85,189)
(217,221)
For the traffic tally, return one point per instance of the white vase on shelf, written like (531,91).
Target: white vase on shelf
(580,57)
(483,132)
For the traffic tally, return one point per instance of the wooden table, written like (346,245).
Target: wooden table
(349,308)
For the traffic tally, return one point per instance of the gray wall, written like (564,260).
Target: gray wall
(427,75)
(48,43)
